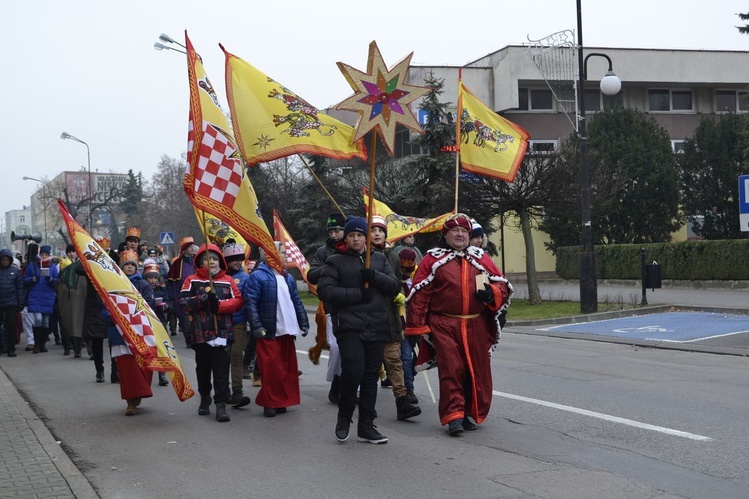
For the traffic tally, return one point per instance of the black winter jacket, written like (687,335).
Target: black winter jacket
(11,284)
(340,286)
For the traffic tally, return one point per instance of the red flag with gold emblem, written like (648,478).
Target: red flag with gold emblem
(294,257)
(145,336)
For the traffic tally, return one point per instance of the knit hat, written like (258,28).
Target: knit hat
(128,256)
(408,261)
(355,224)
(233,252)
(151,270)
(335,221)
(45,249)
(457,220)
(476,229)
(379,221)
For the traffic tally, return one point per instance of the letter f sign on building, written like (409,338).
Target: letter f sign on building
(744,202)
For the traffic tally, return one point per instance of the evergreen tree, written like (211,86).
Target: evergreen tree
(743,29)
(710,165)
(132,193)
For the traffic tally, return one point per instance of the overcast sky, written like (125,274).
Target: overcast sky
(89,67)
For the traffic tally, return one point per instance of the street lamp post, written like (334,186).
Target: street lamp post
(44,206)
(610,85)
(168,39)
(65,136)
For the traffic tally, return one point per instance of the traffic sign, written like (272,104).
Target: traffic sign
(744,203)
(167,238)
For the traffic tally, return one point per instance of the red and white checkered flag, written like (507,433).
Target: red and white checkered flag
(294,257)
(136,316)
(219,172)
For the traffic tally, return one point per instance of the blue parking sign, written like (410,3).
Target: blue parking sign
(744,202)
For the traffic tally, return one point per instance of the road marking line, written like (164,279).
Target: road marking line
(606,417)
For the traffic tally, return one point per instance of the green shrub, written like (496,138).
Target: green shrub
(686,260)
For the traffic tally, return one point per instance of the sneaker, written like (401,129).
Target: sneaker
(130,410)
(100,376)
(29,348)
(367,432)
(238,399)
(342,427)
(12,353)
(469,425)
(455,427)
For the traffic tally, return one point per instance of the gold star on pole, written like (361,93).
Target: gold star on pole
(382,97)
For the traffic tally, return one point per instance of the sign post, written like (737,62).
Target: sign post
(744,203)
(167,238)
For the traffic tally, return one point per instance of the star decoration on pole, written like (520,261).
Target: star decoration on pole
(382,97)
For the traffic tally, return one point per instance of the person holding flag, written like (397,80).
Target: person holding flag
(210,297)
(135,380)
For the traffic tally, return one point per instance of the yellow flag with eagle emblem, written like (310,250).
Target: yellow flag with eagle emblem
(400,226)
(144,335)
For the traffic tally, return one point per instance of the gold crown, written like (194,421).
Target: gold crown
(128,256)
(133,232)
(185,240)
(103,242)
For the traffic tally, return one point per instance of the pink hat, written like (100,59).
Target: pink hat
(457,220)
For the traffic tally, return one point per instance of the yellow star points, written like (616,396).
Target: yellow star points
(382,97)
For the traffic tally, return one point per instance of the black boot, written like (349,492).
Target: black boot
(37,339)
(334,395)
(115,376)
(239,399)
(205,405)
(77,347)
(406,410)
(221,415)
(44,335)
(163,381)
(100,376)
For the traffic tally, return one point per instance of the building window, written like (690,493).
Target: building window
(616,100)
(22,219)
(664,100)
(535,99)
(542,146)
(678,146)
(731,101)
(592,100)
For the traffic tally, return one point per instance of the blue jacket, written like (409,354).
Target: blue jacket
(42,292)
(260,295)
(11,284)
(240,277)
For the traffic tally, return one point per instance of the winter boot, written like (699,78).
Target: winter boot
(406,410)
(37,339)
(115,376)
(131,405)
(367,432)
(334,395)
(221,415)
(100,376)
(205,405)
(77,347)
(44,335)
(163,381)
(239,399)
(411,397)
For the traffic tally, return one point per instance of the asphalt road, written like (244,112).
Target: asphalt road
(571,419)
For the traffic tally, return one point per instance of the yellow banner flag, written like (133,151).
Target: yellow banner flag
(217,182)
(217,231)
(489,144)
(145,336)
(270,121)
(400,226)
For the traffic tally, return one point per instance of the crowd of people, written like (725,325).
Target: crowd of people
(387,315)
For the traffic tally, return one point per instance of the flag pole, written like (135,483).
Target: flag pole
(458,140)
(372,154)
(210,276)
(321,185)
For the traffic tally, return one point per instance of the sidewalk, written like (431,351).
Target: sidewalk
(32,463)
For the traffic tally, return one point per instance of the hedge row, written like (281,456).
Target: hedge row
(686,260)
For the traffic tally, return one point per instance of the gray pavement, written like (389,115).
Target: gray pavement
(34,465)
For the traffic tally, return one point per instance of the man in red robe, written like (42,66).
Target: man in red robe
(457,296)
